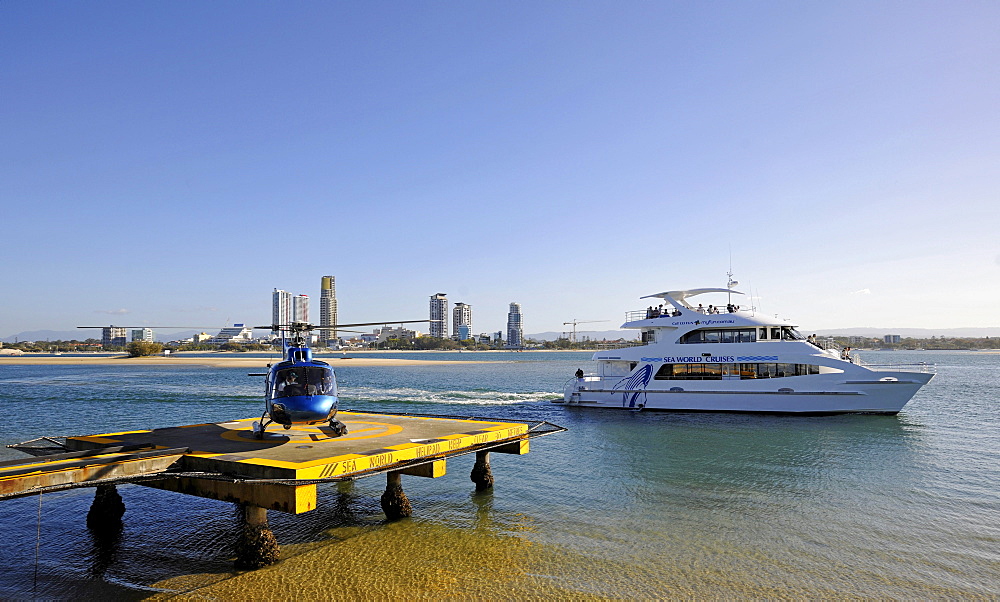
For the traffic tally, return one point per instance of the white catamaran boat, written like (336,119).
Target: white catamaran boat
(695,359)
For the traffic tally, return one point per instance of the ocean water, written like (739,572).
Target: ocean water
(623,505)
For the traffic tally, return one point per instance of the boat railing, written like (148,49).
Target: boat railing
(922,367)
(645,314)
(593,381)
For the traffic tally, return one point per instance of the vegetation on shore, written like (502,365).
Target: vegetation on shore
(442,344)
(933,343)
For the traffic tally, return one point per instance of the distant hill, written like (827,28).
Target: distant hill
(54,335)
(916,333)
(88,333)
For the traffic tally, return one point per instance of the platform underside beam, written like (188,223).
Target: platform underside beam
(293,499)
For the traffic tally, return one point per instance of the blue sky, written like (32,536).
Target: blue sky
(173,162)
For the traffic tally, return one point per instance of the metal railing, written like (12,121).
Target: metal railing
(922,367)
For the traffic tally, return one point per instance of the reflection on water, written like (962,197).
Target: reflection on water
(623,505)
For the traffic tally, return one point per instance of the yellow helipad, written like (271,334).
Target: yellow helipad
(375,442)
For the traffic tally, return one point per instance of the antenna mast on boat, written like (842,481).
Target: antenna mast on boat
(730,282)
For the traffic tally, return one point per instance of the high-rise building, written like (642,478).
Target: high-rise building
(328,308)
(300,308)
(142,334)
(515,331)
(461,316)
(281,308)
(113,336)
(439,315)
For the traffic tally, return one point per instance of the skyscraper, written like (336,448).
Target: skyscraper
(281,308)
(461,316)
(300,308)
(514,327)
(439,315)
(327,308)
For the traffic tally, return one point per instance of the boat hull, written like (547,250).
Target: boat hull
(885,393)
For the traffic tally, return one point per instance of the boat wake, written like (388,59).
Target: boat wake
(474,397)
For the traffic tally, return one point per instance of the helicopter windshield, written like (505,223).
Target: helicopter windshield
(304,380)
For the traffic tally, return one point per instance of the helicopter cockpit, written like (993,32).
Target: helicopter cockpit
(302,380)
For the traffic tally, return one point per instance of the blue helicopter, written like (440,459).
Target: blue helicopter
(299,389)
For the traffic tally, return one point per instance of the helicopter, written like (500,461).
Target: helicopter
(298,389)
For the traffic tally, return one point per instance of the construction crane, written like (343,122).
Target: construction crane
(572,338)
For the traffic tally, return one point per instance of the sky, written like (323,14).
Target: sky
(174,162)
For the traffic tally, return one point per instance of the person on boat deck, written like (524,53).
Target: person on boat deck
(649,312)
(846,355)
(701,309)
(677,312)
(579,373)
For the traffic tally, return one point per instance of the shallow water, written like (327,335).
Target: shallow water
(623,505)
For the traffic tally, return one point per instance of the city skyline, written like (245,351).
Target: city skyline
(840,158)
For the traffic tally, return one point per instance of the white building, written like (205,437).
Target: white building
(439,315)
(300,308)
(328,308)
(239,333)
(401,333)
(113,336)
(281,308)
(142,334)
(461,316)
(515,328)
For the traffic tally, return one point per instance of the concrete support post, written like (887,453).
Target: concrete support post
(481,475)
(257,547)
(107,509)
(394,502)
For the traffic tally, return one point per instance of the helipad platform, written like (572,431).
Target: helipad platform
(280,472)
(224,461)
(374,441)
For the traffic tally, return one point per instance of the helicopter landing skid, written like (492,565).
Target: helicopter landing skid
(339,428)
(258,427)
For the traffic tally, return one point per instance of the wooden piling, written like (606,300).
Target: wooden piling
(481,475)
(394,501)
(256,547)
(106,510)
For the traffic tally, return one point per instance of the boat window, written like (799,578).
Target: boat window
(790,334)
(304,380)
(775,334)
(763,334)
(712,372)
(692,337)
(666,372)
(719,371)
(744,335)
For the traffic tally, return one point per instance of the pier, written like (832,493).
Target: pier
(223,461)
